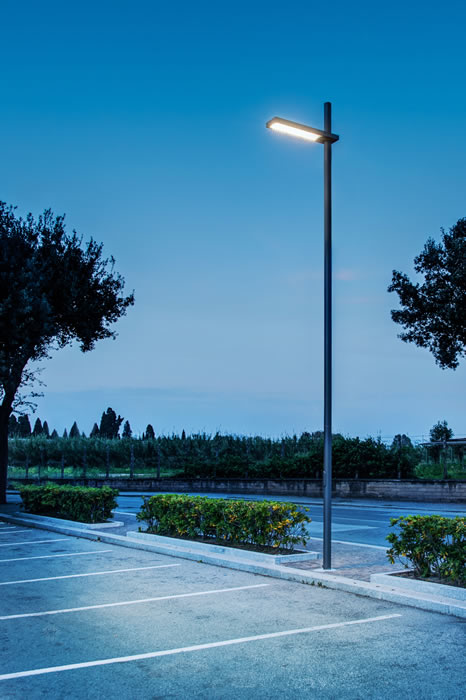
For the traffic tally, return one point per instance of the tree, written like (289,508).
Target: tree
(95,432)
(13,429)
(45,429)
(65,434)
(440,433)
(53,290)
(54,434)
(74,432)
(24,426)
(150,435)
(127,432)
(110,424)
(434,313)
(38,430)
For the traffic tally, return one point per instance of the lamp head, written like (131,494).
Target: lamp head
(307,133)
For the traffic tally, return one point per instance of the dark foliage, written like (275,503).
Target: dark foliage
(53,290)
(110,424)
(433,314)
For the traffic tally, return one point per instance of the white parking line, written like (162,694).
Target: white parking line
(93,573)
(53,556)
(133,602)
(197,647)
(14,544)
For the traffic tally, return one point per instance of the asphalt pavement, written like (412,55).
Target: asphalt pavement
(83,619)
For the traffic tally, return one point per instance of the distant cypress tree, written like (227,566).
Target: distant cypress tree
(183,435)
(13,429)
(127,432)
(95,432)
(74,432)
(150,435)
(110,424)
(65,433)
(37,428)
(45,429)
(24,426)
(54,434)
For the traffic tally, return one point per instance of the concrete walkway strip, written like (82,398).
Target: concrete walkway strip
(53,556)
(93,573)
(17,544)
(197,647)
(132,602)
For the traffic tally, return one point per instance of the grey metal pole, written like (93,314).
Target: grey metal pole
(327,548)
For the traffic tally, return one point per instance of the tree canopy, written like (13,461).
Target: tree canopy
(110,424)
(53,290)
(433,313)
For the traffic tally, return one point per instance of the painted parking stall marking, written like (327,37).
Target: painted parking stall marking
(54,556)
(17,544)
(197,647)
(93,573)
(133,602)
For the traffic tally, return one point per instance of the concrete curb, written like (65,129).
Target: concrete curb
(417,586)
(215,549)
(390,593)
(30,517)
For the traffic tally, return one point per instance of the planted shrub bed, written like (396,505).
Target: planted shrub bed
(261,525)
(434,546)
(79,503)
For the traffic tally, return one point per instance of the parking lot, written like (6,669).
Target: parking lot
(83,619)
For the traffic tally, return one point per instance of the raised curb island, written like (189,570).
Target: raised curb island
(70,523)
(237,553)
(425,601)
(417,586)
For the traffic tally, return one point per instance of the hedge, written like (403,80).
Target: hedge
(85,505)
(432,544)
(261,523)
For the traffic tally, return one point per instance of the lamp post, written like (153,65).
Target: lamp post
(327,138)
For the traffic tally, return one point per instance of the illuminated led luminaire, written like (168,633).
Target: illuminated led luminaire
(293,131)
(301,131)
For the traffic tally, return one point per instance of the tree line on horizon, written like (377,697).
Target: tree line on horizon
(207,456)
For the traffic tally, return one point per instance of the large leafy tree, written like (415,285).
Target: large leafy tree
(53,290)
(433,313)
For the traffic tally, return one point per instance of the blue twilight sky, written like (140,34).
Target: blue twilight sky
(144,122)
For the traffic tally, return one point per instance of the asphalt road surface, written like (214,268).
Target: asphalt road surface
(356,521)
(82,619)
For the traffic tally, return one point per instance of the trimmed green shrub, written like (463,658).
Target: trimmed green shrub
(85,505)
(259,523)
(432,544)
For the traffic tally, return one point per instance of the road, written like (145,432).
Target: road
(356,521)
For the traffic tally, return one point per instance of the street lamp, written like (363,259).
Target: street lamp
(326,137)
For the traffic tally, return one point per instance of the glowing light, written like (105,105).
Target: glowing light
(293,131)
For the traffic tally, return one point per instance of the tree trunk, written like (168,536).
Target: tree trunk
(5,410)
(4,415)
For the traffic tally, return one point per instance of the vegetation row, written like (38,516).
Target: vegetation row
(257,523)
(83,504)
(433,546)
